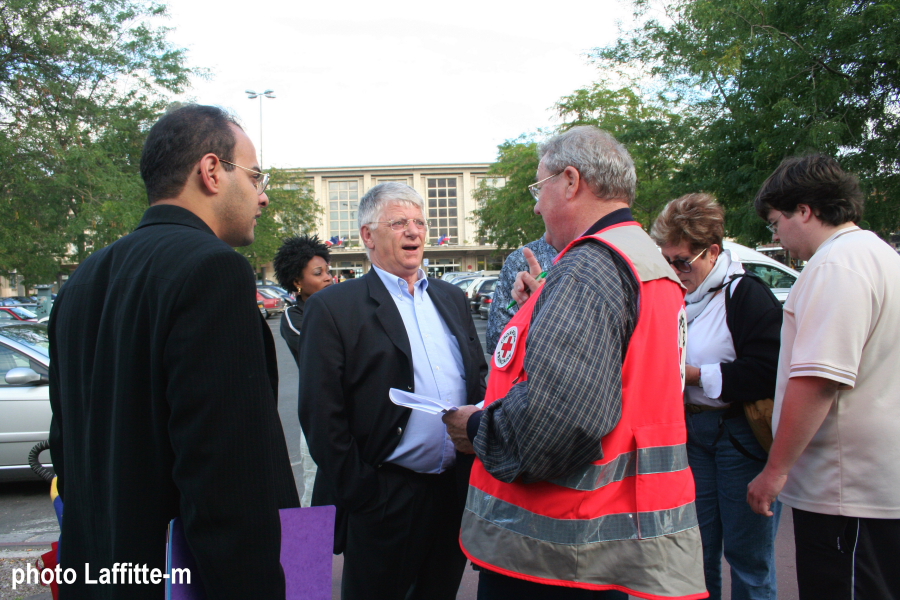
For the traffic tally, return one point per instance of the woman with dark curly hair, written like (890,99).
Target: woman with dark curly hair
(301,267)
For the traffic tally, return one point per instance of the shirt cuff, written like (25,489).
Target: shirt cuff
(711,378)
(472,425)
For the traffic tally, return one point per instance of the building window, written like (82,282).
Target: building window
(397,179)
(442,210)
(343,202)
(494,182)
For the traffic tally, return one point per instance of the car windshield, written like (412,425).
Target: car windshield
(22,312)
(31,335)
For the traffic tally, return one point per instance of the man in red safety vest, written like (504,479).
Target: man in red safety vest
(581,487)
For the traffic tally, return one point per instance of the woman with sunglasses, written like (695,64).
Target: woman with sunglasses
(734,328)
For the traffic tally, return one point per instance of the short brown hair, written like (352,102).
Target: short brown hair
(817,181)
(694,218)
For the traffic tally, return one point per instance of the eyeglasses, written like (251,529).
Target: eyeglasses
(402,224)
(262,179)
(684,266)
(535,188)
(773,226)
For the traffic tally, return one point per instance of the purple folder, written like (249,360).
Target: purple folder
(307,540)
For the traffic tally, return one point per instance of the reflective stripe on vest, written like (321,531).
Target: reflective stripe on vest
(645,461)
(605,528)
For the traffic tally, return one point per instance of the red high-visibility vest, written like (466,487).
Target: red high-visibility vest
(624,522)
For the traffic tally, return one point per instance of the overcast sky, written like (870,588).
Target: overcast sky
(393,82)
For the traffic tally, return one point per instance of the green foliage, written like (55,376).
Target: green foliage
(292,210)
(505,214)
(658,138)
(81,81)
(767,79)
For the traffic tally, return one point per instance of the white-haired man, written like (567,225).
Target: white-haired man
(392,472)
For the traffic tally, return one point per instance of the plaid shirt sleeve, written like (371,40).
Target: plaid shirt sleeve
(552,424)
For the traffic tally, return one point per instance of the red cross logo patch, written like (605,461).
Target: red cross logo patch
(506,347)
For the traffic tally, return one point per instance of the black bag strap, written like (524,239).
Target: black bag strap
(732,414)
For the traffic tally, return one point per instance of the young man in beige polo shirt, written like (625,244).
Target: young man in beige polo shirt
(836,455)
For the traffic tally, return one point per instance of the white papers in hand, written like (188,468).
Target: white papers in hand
(433,406)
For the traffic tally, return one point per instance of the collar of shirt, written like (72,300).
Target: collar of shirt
(621,215)
(393,282)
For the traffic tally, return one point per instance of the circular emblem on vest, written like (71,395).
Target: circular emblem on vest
(506,347)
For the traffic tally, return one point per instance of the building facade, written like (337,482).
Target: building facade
(452,243)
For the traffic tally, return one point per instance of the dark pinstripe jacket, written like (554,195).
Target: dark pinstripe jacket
(163,384)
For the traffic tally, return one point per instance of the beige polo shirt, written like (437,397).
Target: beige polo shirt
(842,322)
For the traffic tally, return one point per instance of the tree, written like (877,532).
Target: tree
(505,213)
(292,210)
(80,83)
(767,79)
(657,138)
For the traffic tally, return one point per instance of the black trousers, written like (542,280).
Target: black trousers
(406,546)
(842,558)
(494,586)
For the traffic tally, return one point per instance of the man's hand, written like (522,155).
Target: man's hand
(763,491)
(806,403)
(456,421)
(527,282)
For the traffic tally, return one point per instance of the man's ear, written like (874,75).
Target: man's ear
(805,212)
(209,174)
(367,237)
(573,180)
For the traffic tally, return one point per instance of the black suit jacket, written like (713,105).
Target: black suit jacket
(354,348)
(163,384)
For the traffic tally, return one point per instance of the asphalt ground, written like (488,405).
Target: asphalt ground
(28,523)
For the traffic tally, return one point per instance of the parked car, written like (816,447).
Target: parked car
(473,285)
(463,283)
(24,396)
(16,300)
(484,304)
(262,309)
(278,291)
(454,275)
(779,277)
(487,284)
(273,304)
(17,313)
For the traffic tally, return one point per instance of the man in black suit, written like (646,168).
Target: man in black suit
(163,381)
(392,472)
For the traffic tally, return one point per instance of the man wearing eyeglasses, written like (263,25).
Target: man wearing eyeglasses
(163,382)
(580,488)
(835,457)
(392,472)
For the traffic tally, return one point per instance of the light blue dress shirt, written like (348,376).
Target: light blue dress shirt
(438,372)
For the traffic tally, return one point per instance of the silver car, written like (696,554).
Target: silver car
(24,396)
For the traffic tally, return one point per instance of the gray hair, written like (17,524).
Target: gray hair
(601,160)
(374,201)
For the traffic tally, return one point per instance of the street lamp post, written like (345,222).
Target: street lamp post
(252,95)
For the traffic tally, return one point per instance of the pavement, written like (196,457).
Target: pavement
(28,522)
